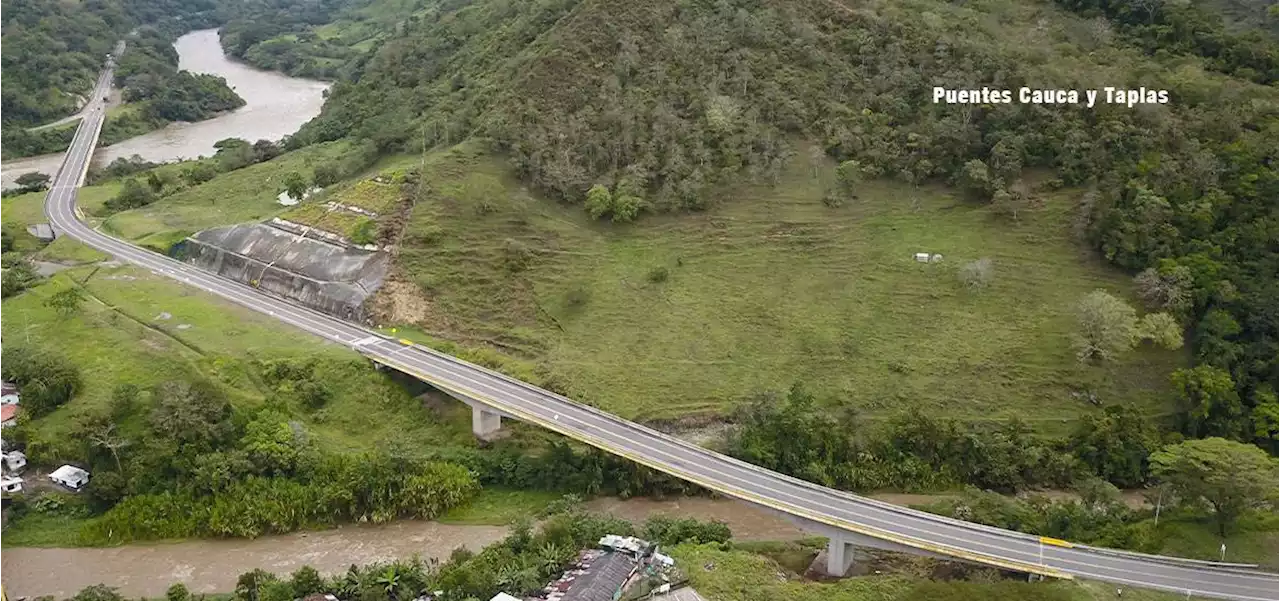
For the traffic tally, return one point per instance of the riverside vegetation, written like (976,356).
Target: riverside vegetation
(154,90)
(706,560)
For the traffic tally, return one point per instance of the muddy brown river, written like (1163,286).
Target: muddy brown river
(275,106)
(208,566)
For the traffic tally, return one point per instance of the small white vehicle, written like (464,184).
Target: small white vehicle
(10,485)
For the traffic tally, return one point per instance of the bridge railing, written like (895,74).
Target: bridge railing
(1226,566)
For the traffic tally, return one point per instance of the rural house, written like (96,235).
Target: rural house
(8,415)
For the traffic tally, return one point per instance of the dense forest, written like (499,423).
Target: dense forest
(54,52)
(661,102)
(279,35)
(149,73)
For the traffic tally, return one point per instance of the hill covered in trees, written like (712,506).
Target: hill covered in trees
(660,106)
(53,52)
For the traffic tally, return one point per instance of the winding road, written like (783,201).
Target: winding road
(836,509)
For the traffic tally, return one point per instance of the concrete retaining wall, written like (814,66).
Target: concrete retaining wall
(317,274)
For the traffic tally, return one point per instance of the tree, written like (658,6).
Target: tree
(626,207)
(975,180)
(155,181)
(200,173)
(265,150)
(18,278)
(32,182)
(272,444)
(1115,444)
(177,592)
(65,301)
(1007,203)
(47,380)
(1167,288)
(1006,158)
(306,581)
(100,431)
(1161,329)
(1106,327)
(250,584)
(97,592)
(326,174)
(193,415)
(1208,402)
(849,177)
(132,195)
(1231,477)
(1265,420)
(295,185)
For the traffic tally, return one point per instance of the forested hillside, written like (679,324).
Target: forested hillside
(665,103)
(54,51)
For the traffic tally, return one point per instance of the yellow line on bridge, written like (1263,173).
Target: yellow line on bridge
(850,526)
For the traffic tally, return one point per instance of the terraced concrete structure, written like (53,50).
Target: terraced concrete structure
(324,276)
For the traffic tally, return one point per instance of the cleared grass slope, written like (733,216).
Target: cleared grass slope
(687,315)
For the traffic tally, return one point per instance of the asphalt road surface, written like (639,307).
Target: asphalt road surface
(936,534)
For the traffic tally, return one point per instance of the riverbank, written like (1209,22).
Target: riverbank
(210,566)
(275,106)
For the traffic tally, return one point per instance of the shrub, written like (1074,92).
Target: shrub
(658,274)
(515,255)
(577,296)
(976,274)
(365,232)
(673,531)
(327,174)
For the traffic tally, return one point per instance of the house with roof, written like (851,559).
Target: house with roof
(598,575)
(8,415)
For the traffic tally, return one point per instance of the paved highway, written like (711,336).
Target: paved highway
(986,545)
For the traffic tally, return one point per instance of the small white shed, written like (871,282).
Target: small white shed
(10,485)
(70,476)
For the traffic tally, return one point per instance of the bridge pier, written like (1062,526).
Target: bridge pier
(842,554)
(484,423)
(839,556)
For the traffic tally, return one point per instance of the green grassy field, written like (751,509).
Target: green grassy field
(247,194)
(681,315)
(141,329)
(499,507)
(20,211)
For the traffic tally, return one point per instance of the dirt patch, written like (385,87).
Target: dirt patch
(398,301)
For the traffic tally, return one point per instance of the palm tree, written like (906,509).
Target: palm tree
(550,558)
